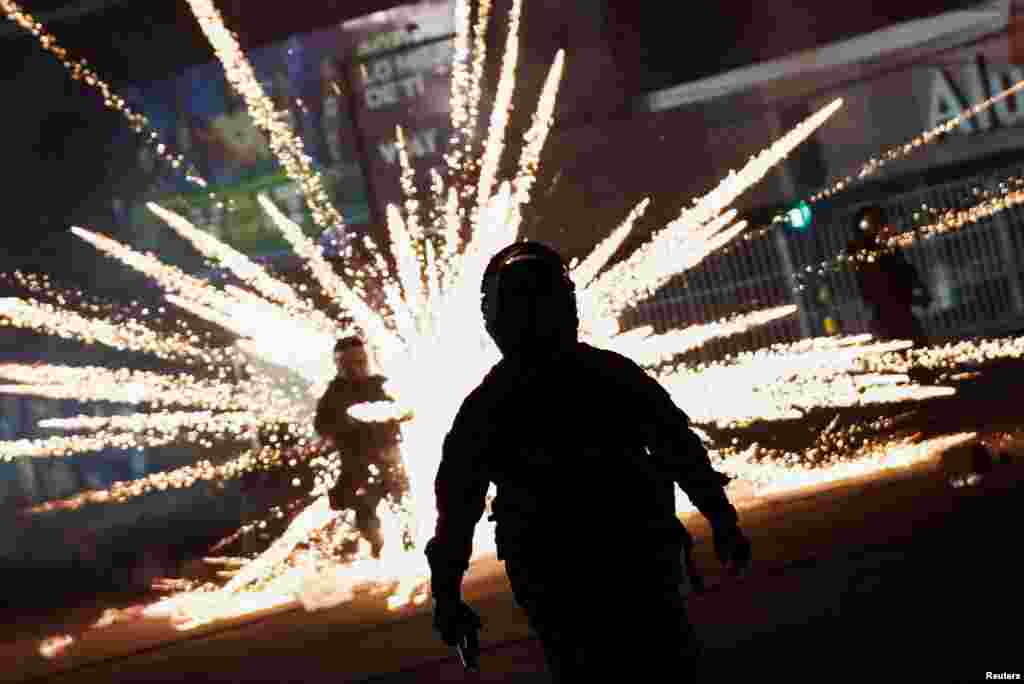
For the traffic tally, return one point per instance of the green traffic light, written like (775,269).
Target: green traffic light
(799,217)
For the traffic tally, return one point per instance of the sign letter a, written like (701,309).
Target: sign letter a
(947,102)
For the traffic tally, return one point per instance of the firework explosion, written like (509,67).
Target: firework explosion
(428,341)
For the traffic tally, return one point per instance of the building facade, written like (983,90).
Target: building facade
(896,83)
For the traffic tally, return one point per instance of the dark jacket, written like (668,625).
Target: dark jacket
(890,286)
(357,440)
(584,453)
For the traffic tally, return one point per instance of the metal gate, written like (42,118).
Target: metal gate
(974,274)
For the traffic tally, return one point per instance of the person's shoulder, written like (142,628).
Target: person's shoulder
(336,385)
(606,360)
(480,399)
(495,383)
(489,384)
(625,373)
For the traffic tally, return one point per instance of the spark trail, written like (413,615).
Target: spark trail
(284,143)
(79,70)
(697,232)
(124,336)
(991,203)
(915,144)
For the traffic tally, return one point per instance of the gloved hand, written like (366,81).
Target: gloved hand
(733,549)
(453,620)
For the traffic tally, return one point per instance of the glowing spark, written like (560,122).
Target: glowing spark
(953,220)
(459,99)
(284,143)
(79,71)
(650,266)
(52,447)
(951,358)
(407,181)
(170,279)
(238,423)
(452,240)
(475,89)
(1011,194)
(243,267)
(585,272)
(125,336)
(537,135)
(333,285)
(314,516)
(179,478)
(495,144)
(651,350)
(786,381)
(407,318)
(434,294)
(785,476)
(656,262)
(276,512)
(92,383)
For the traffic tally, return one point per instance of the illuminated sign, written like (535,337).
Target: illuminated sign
(400,73)
(976,83)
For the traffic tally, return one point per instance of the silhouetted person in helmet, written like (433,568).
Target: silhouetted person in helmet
(889,284)
(584,449)
(371,466)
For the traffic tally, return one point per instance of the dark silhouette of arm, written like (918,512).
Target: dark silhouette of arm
(677,450)
(325,421)
(460,489)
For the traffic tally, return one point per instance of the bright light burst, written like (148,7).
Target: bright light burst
(242,266)
(1010,194)
(786,381)
(428,341)
(124,336)
(651,350)
(697,232)
(495,143)
(180,478)
(123,385)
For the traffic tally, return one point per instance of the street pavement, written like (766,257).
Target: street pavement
(894,577)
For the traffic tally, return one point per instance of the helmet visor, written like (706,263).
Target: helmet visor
(531,313)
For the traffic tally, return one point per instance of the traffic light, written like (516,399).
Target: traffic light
(799,217)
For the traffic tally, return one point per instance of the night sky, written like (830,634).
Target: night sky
(62,167)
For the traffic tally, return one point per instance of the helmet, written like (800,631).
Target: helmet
(528,299)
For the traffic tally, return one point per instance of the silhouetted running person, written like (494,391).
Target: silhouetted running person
(371,464)
(889,284)
(585,450)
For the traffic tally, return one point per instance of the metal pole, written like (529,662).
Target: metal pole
(782,245)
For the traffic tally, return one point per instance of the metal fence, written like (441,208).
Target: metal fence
(974,275)
(753,274)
